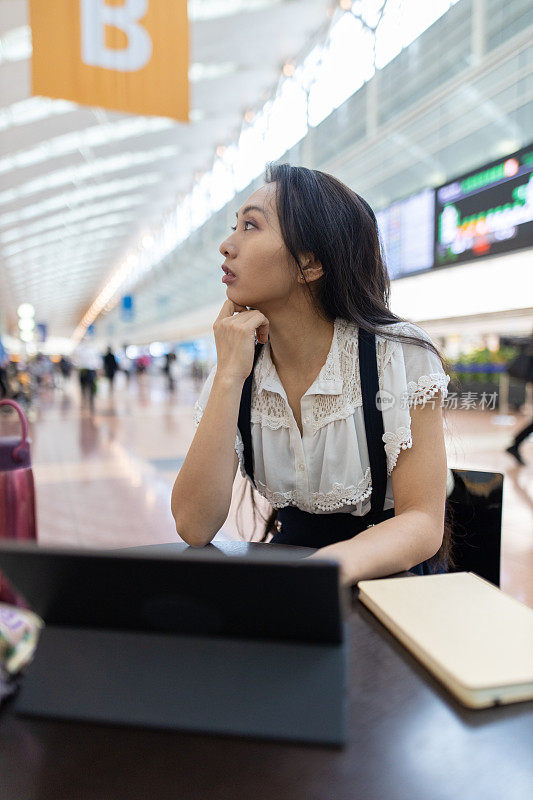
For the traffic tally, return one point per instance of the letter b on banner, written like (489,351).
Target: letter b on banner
(128,56)
(95,16)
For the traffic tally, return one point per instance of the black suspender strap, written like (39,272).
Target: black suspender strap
(243,421)
(368,371)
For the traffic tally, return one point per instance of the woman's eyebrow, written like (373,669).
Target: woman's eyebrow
(252,208)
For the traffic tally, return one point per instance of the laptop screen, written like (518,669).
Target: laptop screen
(266,592)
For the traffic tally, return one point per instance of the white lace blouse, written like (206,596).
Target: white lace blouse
(327,469)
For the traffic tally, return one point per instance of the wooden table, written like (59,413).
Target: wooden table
(408,739)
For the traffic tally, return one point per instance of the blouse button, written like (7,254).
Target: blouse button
(306,420)
(301,467)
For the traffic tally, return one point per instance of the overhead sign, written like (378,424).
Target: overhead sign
(486,212)
(124,55)
(42,331)
(406,230)
(127,308)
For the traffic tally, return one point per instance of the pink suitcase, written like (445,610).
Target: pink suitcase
(17,494)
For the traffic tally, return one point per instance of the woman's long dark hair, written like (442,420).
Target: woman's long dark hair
(319,214)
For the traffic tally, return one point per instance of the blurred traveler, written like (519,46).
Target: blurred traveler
(65,367)
(166,369)
(21,383)
(88,362)
(40,369)
(521,369)
(197,371)
(142,363)
(170,369)
(110,367)
(4,361)
(128,368)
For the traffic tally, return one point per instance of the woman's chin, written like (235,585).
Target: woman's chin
(233,295)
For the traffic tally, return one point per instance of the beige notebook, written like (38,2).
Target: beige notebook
(474,638)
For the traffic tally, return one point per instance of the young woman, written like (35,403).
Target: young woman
(307,302)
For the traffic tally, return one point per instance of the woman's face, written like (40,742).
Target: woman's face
(256,254)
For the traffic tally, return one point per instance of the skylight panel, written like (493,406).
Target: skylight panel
(15,45)
(90,225)
(33,109)
(94,136)
(78,196)
(41,260)
(206,72)
(215,9)
(97,167)
(66,218)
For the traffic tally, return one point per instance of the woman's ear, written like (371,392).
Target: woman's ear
(312,268)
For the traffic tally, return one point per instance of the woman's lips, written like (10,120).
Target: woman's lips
(229,276)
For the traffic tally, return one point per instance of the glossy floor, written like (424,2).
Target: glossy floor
(104,479)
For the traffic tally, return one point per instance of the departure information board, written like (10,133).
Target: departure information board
(485,212)
(407,233)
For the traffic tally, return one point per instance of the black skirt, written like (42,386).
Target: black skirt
(301,528)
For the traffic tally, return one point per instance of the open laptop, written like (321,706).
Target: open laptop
(250,644)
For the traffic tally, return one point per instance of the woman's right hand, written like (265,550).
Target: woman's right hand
(234,330)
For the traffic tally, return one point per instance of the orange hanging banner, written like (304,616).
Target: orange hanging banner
(124,55)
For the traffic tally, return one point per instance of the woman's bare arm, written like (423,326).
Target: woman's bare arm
(201,495)
(419,488)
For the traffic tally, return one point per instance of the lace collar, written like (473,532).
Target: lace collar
(328,381)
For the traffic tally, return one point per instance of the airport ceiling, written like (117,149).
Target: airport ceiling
(78,185)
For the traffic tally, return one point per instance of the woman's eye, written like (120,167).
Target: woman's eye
(234,227)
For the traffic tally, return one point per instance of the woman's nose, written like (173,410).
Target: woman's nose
(226,249)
